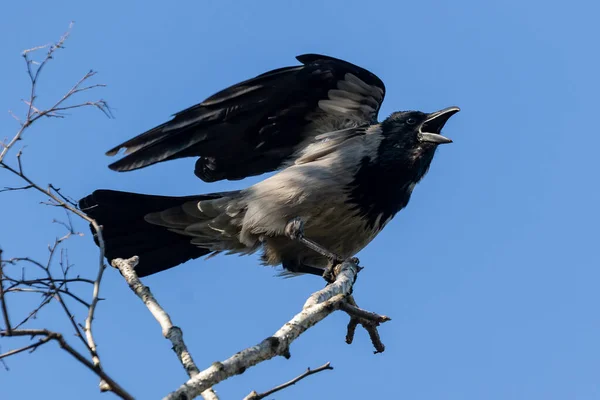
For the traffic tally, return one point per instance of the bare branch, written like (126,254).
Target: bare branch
(3,297)
(342,284)
(171,332)
(15,260)
(33,76)
(367,319)
(49,335)
(45,291)
(77,88)
(19,154)
(316,308)
(374,335)
(44,281)
(33,112)
(53,196)
(65,198)
(10,189)
(34,69)
(95,298)
(355,311)
(12,114)
(256,396)
(31,347)
(46,299)
(56,292)
(89,339)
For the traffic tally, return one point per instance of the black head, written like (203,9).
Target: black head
(383,184)
(416,131)
(411,138)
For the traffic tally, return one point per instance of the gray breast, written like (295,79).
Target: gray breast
(317,192)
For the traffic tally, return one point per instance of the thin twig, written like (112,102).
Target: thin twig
(58,199)
(30,347)
(33,76)
(14,189)
(90,342)
(58,296)
(43,281)
(115,387)
(32,314)
(50,194)
(65,198)
(3,297)
(89,339)
(258,396)
(95,298)
(171,332)
(45,291)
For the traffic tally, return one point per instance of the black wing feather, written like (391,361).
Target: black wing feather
(256,125)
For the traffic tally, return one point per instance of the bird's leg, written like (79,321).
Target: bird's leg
(295,231)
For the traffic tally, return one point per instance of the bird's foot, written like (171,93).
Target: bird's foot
(295,228)
(330,272)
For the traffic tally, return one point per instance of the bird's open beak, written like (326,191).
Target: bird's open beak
(431,128)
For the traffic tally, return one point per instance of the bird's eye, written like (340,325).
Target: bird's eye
(411,121)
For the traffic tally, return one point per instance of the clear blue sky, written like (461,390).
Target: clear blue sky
(504,305)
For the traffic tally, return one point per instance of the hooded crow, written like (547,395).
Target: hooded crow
(341,174)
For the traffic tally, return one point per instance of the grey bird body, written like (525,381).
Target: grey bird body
(315,188)
(345,176)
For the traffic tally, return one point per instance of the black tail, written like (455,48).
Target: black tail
(126,233)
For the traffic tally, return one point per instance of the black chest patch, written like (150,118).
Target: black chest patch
(378,193)
(382,186)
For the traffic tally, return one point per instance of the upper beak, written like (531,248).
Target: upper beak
(431,128)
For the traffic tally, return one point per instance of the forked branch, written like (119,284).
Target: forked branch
(317,307)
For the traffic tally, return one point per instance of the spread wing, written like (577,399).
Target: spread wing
(257,125)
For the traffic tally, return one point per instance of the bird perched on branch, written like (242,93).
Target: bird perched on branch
(342,175)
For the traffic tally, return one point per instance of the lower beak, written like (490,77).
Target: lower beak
(431,128)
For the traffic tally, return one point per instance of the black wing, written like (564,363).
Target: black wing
(255,126)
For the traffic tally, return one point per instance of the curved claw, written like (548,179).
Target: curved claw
(295,228)
(329,273)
